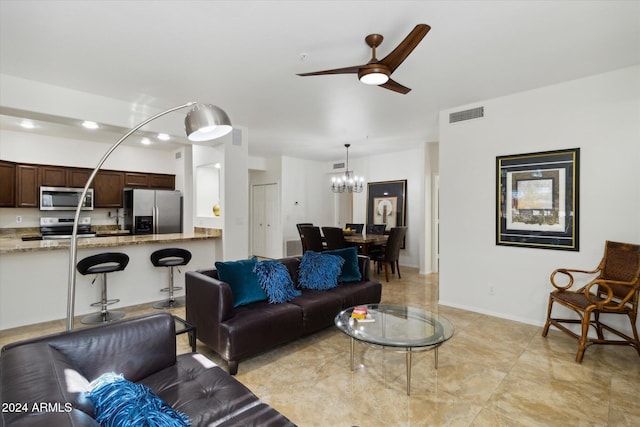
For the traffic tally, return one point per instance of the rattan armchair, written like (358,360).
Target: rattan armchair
(614,290)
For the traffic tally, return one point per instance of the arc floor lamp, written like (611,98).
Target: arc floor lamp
(204,122)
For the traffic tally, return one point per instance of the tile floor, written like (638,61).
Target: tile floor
(493,372)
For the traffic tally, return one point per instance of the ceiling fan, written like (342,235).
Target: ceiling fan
(378,72)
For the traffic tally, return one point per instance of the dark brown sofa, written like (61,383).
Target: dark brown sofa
(41,377)
(240,332)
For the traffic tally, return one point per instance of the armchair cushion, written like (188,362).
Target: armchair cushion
(350,269)
(276,281)
(319,271)
(242,279)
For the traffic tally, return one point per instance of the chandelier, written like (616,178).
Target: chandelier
(348,183)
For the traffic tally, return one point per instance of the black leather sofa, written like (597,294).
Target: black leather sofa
(42,378)
(240,332)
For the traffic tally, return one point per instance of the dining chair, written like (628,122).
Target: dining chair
(312,239)
(334,237)
(376,228)
(613,289)
(299,227)
(390,254)
(356,228)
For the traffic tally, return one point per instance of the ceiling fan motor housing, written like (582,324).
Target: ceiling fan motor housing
(374,74)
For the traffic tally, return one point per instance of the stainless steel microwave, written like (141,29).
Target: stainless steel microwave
(64,199)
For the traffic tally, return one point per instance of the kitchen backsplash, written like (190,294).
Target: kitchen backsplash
(30,217)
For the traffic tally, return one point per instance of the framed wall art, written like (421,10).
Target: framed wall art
(386,203)
(537,200)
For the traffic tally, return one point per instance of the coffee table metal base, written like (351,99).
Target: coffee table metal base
(408,351)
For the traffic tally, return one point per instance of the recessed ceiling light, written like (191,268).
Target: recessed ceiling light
(90,125)
(145,141)
(27,124)
(163,137)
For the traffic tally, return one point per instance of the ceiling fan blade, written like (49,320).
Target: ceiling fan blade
(396,87)
(400,53)
(345,70)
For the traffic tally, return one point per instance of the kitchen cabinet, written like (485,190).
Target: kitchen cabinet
(53,176)
(108,189)
(162,181)
(7,184)
(77,177)
(27,186)
(136,180)
(61,176)
(20,183)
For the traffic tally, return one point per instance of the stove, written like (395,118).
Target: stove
(62,228)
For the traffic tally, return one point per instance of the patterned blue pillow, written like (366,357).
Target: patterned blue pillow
(319,271)
(244,284)
(121,403)
(276,281)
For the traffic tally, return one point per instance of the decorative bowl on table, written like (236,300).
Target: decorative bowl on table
(348,232)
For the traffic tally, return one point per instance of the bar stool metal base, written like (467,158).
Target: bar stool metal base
(178,302)
(109,316)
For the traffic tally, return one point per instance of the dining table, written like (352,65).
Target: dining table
(363,241)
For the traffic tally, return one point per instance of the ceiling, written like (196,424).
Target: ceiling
(244,56)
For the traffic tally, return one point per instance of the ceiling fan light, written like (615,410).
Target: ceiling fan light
(374,76)
(206,122)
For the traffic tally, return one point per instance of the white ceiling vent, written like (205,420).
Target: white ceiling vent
(338,165)
(474,113)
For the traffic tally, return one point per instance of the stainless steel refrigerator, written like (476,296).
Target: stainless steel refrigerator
(152,211)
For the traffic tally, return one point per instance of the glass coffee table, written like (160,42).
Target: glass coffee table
(182,327)
(405,329)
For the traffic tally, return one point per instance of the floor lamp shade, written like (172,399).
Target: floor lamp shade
(206,122)
(203,123)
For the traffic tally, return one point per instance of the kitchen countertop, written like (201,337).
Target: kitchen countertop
(11,244)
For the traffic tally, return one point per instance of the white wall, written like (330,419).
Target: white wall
(601,116)
(306,195)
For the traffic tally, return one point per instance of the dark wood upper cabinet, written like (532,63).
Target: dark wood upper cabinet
(20,183)
(27,186)
(7,184)
(53,176)
(77,177)
(134,179)
(108,189)
(162,181)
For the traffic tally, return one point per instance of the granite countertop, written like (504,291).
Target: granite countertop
(14,243)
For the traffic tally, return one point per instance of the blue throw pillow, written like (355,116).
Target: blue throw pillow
(245,287)
(121,403)
(319,270)
(350,269)
(276,281)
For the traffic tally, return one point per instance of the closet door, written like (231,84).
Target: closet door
(258,228)
(265,235)
(273,242)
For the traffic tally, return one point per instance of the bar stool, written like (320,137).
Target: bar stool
(104,263)
(171,257)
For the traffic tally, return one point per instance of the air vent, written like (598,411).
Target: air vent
(293,248)
(338,165)
(236,137)
(474,113)
(178,155)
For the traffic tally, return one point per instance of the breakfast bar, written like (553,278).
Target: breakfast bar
(34,273)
